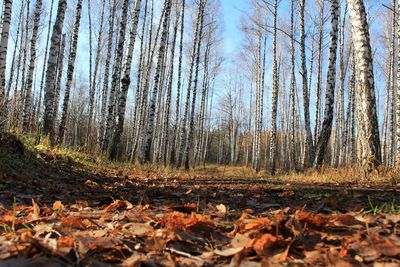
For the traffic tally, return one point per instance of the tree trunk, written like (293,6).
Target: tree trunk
(5,28)
(306,102)
(29,84)
(362,49)
(70,72)
(326,128)
(275,94)
(116,76)
(189,140)
(125,82)
(146,153)
(48,119)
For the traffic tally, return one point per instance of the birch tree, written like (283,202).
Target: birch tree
(326,128)
(5,28)
(70,72)
(146,152)
(115,77)
(31,68)
(306,102)
(125,82)
(362,48)
(48,120)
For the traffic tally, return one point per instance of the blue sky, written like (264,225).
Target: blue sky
(232,12)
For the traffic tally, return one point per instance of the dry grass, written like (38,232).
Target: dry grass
(340,176)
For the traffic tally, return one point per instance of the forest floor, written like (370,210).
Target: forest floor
(64,208)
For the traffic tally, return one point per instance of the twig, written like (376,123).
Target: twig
(187,255)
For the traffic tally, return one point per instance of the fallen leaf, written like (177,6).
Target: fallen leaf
(57,205)
(134,260)
(385,245)
(118,204)
(241,240)
(386,264)
(228,251)
(262,244)
(138,229)
(73,222)
(343,220)
(221,208)
(35,214)
(311,218)
(287,194)
(188,208)
(257,223)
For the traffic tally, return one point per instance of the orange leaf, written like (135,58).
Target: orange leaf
(35,211)
(118,204)
(58,205)
(73,222)
(311,218)
(386,246)
(263,243)
(178,221)
(257,223)
(66,241)
(343,220)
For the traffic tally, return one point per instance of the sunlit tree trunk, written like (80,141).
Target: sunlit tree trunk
(189,140)
(306,102)
(57,89)
(292,90)
(96,69)
(31,68)
(166,138)
(125,82)
(362,49)
(326,128)
(275,94)
(115,82)
(175,135)
(104,97)
(5,28)
(39,106)
(146,153)
(48,119)
(70,72)
(183,134)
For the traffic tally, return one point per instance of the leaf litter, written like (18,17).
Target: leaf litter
(130,235)
(55,215)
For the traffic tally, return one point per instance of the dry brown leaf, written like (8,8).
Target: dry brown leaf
(311,218)
(138,229)
(314,257)
(386,245)
(241,240)
(57,205)
(257,223)
(228,251)
(343,220)
(35,214)
(178,221)
(134,260)
(73,222)
(119,204)
(222,208)
(187,208)
(287,194)
(393,218)
(386,264)
(263,243)
(335,260)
